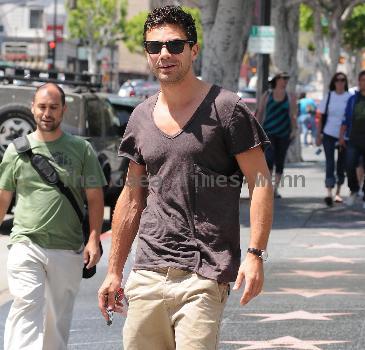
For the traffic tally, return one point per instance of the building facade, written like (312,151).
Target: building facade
(27,28)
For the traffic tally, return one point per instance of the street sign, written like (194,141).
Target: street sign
(50,29)
(262,39)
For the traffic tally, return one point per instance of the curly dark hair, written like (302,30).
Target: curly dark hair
(171,15)
(332,85)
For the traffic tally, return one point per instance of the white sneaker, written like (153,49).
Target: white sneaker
(350,201)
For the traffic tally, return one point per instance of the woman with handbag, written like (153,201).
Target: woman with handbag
(277,112)
(332,109)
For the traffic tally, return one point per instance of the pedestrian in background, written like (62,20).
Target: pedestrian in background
(47,256)
(352,137)
(277,112)
(332,109)
(306,118)
(188,231)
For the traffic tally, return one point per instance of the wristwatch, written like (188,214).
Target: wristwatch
(261,253)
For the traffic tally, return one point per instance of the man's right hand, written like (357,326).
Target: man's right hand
(107,292)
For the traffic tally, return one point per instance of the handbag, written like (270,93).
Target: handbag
(325,114)
(49,174)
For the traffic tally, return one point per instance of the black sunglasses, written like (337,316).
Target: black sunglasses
(174,46)
(340,79)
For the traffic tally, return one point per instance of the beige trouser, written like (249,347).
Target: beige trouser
(173,309)
(44,284)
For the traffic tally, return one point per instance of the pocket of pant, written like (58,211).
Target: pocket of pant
(127,286)
(222,291)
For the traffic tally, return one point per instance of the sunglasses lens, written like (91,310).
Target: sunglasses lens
(153,47)
(176,46)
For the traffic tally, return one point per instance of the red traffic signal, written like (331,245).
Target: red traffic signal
(52,45)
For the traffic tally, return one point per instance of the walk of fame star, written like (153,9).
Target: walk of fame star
(309,293)
(342,235)
(332,246)
(284,343)
(320,274)
(328,258)
(297,315)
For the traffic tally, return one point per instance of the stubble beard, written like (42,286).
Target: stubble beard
(171,78)
(49,127)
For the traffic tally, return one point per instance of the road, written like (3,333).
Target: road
(314,293)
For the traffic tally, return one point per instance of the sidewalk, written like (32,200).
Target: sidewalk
(313,295)
(314,292)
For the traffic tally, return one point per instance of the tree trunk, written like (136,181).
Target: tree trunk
(226,28)
(92,60)
(285,19)
(336,12)
(353,66)
(161,3)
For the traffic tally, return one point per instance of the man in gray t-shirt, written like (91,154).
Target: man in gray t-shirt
(189,146)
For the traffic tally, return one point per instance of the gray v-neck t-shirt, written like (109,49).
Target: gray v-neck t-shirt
(191,220)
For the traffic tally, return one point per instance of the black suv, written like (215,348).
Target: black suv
(89,114)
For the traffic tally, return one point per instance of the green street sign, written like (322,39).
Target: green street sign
(262,39)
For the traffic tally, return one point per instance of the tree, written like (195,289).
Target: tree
(226,28)
(98,24)
(160,3)
(133,33)
(328,18)
(285,19)
(354,41)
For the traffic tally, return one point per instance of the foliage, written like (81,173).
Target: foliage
(305,18)
(97,23)
(354,30)
(133,31)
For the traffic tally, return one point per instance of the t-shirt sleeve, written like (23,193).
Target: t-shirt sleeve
(244,131)
(92,172)
(322,104)
(129,146)
(7,176)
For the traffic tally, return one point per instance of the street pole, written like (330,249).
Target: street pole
(54,35)
(263,59)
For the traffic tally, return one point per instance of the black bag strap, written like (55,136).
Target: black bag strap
(23,146)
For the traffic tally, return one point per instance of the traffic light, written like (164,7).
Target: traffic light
(51,49)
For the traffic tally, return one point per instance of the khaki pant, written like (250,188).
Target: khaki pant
(44,284)
(173,309)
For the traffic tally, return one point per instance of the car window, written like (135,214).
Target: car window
(112,125)
(94,117)
(123,113)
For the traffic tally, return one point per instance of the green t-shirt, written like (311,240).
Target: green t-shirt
(42,214)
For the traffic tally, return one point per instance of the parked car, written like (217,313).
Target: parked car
(248,96)
(138,88)
(123,106)
(87,115)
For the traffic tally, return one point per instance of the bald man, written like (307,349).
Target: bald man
(47,253)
